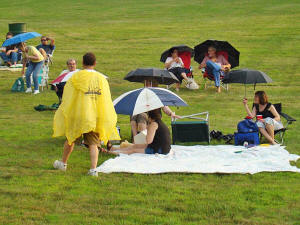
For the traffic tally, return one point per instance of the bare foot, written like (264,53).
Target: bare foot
(218,90)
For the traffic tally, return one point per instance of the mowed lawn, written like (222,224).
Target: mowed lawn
(125,35)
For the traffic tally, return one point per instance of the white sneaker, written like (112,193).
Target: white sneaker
(59,165)
(28,90)
(93,172)
(36,92)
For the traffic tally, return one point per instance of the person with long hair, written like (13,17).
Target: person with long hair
(158,137)
(215,65)
(268,119)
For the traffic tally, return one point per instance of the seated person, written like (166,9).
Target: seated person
(10,54)
(270,118)
(48,48)
(139,122)
(158,138)
(215,65)
(175,65)
(59,88)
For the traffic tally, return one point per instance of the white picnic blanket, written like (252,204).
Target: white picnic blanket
(205,159)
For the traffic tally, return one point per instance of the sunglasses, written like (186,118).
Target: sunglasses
(44,40)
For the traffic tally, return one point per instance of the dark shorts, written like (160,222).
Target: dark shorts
(149,150)
(177,71)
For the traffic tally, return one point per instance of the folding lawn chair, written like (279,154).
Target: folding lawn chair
(279,134)
(209,80)
(196,130)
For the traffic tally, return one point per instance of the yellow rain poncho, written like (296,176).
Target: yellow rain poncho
(86,106)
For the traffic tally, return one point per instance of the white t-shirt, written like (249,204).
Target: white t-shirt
(174,64)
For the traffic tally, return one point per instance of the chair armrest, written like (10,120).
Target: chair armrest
(287,117)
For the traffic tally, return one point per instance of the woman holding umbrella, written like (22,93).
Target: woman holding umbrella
(215,65)
(268,118)
(35,58)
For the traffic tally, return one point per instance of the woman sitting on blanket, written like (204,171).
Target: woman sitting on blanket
(270,118)
(140,122)
(215,65)
(158,138)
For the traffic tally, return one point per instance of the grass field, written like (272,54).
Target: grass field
(125,35)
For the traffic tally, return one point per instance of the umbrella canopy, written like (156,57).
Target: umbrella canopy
(142,74)
(233,54)
(246,76)
(64,77)
(180,48)
(20,38)
(146,99)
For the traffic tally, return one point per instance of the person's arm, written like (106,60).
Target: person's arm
(275,113)
(181,62)
(43,52)
(3,49)
(151,132)
(52,41)
(168,63)
(251,114)
(24,65)
(170,113)
(203,63)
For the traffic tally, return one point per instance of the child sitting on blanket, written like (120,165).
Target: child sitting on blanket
(158,138)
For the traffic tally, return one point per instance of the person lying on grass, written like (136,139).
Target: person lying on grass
(140,122)
(270,120)
(158,138)
(86,110)
(175,65)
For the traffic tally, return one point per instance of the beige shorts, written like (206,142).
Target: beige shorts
(90,138)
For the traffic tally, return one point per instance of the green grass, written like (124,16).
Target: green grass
(129,34)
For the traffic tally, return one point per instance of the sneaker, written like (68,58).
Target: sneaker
(36,92)
(28,90)
(59,165)
(93,172)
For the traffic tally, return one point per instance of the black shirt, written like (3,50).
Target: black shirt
(266,112)
(162,138)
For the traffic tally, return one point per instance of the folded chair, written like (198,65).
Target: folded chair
(195,129)
(279,134)
(209,80)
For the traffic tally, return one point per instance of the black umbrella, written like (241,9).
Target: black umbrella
(180,48)
(233,54)
(142,74)
(246,76)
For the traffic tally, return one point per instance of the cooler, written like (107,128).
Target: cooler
(191,128)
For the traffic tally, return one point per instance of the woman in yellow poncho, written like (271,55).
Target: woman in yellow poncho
(87,110)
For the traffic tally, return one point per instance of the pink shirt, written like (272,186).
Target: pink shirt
(220,60)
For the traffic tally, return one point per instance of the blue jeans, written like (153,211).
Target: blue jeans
(13,57)
(215,70)
(149,150)
(34,69)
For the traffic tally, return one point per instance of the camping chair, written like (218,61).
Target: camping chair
(279,134)
(50,57)
(191,131)
(209,80)
(186,59)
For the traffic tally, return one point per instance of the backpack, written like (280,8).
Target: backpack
(247,132)
(247,126)
(18,86)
